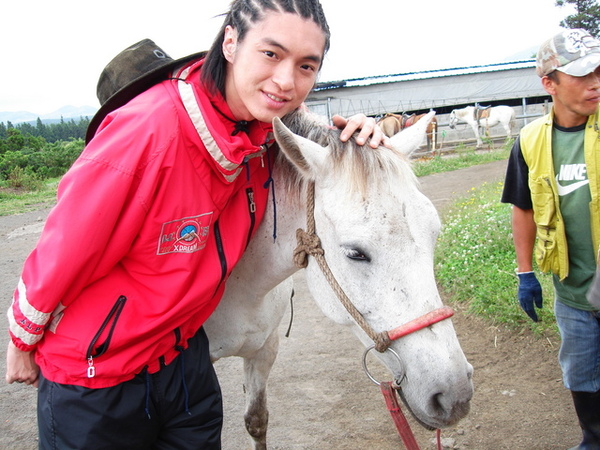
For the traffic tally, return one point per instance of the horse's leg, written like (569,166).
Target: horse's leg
(431,136)
(258,364)
(256,374)
(475,127)
(507,129)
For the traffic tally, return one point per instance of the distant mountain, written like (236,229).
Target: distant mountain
(66,112)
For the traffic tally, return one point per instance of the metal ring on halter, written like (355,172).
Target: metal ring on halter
(366,369)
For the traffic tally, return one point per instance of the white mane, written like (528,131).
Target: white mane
(360,165)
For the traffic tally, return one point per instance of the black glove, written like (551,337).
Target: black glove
(530,293)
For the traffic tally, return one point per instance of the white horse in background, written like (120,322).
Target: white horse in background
(378,232)
(489,117)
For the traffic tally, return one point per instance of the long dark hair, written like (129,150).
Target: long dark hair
(241,16)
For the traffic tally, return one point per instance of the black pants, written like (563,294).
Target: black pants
(179,407)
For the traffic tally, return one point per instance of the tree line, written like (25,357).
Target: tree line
(52,132)
(31,154)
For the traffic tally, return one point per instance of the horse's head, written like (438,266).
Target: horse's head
(378,233)
(452,119)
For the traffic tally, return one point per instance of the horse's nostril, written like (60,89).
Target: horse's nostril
(436,403)
(448,411)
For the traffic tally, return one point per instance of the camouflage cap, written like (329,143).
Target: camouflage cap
(574,52)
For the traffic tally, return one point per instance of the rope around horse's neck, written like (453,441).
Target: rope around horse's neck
(310,244)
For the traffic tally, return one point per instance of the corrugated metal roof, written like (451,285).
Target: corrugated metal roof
(382,79)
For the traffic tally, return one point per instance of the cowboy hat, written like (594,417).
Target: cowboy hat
(130,73)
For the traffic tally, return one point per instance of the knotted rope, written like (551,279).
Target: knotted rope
(309,244)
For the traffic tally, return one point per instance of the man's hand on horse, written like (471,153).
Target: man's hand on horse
(367,126)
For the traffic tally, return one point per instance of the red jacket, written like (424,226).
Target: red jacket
(149,222)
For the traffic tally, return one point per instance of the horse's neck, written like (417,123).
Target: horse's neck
(467,114)
(268,260)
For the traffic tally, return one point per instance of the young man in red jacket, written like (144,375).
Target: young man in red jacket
(149,223)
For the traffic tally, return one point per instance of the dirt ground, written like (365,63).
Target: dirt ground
(319,396)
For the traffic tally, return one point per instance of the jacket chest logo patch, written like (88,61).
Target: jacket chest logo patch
(186,235)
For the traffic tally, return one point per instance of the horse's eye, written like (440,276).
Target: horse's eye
(357,255)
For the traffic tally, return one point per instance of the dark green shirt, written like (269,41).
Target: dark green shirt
(574,199)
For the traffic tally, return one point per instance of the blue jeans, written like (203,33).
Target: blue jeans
(579,355)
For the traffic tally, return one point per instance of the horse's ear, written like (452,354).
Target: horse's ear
(409,139)
(305,154)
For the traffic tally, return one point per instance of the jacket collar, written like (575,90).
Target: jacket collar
(211,118)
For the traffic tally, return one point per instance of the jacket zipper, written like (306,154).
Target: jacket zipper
(252,212)
(221,252)
(111,319)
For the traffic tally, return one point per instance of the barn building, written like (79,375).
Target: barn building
(512,83)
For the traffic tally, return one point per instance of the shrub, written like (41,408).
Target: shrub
(20,178)
(55,159)
(11,160)
(52,160)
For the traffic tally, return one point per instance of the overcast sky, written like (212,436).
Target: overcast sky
(54,51)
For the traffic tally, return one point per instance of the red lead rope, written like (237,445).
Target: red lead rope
(402,425)
(387,389)
(391,400)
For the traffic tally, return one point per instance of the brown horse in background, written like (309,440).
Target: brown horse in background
(391,124)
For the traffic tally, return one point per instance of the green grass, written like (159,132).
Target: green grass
(462,157)
(475,257)
(475,262)
(15,201)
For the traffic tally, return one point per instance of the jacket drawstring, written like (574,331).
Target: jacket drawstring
(186,392)
(238,125)
(180,349)
(246,164)
(271,183)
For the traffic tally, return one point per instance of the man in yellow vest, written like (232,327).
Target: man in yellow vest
(553,183)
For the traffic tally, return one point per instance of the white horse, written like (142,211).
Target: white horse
(378,233)
(490,117)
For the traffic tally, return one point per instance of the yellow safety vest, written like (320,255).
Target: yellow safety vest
(551,251)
